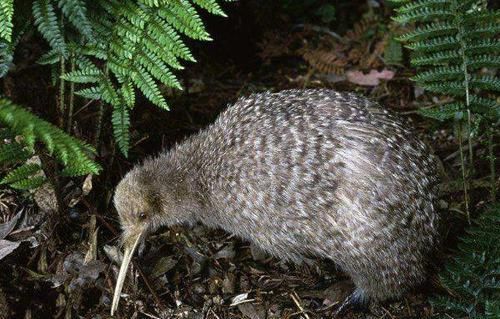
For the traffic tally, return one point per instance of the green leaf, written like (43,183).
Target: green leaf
(6,14)
(83,76)
(121,124)
(29,183)
(20,173)
(12,153)
(211,6)
(91,93)
(57,142)
(48,25)
(431,30)
(440,74)
(76,12)
(443,112)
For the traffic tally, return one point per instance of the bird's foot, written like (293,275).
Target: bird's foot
(357,301)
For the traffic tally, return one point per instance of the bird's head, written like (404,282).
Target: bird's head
(145,199)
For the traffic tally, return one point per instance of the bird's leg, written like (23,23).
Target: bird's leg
(356,301)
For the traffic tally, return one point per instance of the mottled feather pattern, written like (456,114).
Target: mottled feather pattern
(305,173)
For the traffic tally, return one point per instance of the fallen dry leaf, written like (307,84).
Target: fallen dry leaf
(371,79)
(6,247)
(7,227)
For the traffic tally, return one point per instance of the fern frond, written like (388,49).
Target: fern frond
(108,92)
(436,58)
(473,275)
(46,21)
(6,57)
(211,6)
(393,52)
(435,44)
(439,74)
(454,88)
(474,17)
(29,183)
(429,30)
(483,102)
(482,61)
(183,16)
(91,93)
(421,4)
(145,82)
(140,43)
(453,48)
(424,14)
(153,3)
(485,31)
(128,94)
(55,140)
(12,153)
(171,40)
(86,75)
(22,172)
(482,46)
(121,123)
(50,57)
(443,112)
(6,14)
(76,12)
(485,82)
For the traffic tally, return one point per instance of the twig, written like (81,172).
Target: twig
(69,124)
(456,153)
(83,107)
(387,312)
(151,290)
(296,300)
(492,158)
(149,315)
(213,312)
(320,29)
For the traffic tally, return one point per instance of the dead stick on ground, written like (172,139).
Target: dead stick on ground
(296,300)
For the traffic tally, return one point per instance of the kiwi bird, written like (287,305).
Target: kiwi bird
(298,173)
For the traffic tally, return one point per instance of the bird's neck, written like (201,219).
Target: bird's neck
(180,174)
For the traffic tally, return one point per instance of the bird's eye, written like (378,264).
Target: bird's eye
(142,216)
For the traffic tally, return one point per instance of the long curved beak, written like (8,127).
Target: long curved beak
(127,257)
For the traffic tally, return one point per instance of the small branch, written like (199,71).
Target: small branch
(464,177)
(319,29)
(62,107)
(492,159)
(296,300)
(69,124)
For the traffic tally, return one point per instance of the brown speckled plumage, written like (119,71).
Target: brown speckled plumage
(302,173)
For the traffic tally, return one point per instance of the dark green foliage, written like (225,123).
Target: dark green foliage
(6,57)
(123,46)
(117,47)
(6,49)
(473,277)
(393,52)
(72,153)
(24,177)
(452,41)
(48,24)
(13,152)
(6,13)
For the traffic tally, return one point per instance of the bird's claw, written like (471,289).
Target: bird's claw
(356,301)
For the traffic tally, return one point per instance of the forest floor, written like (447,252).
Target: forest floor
(66,263)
